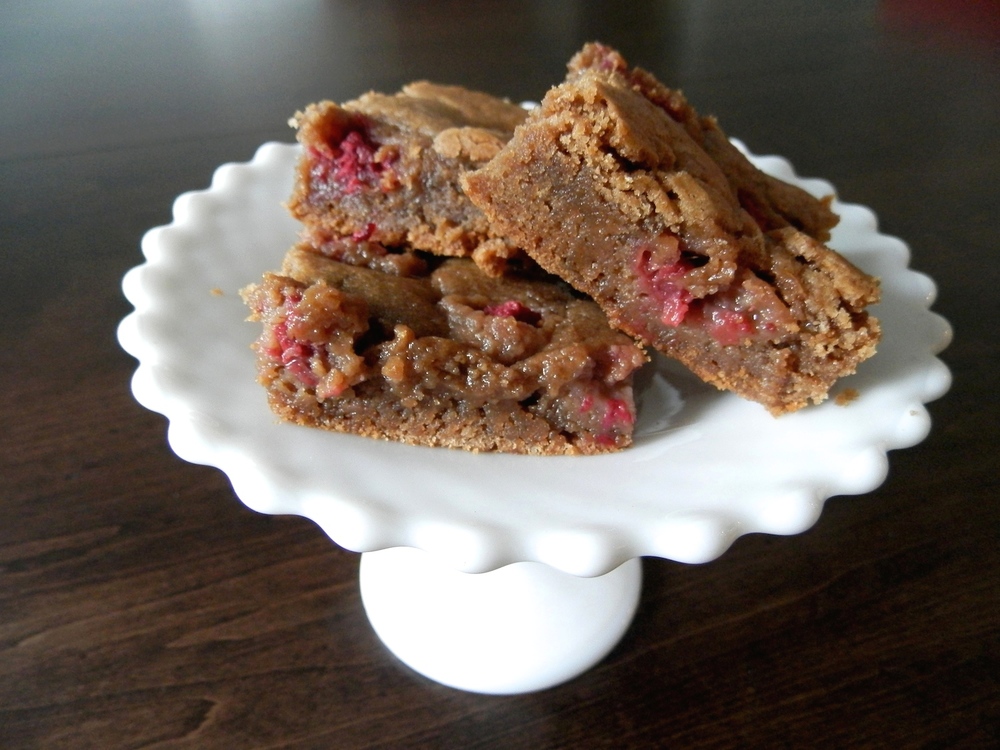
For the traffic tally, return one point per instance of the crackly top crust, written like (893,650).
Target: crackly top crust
(773,203)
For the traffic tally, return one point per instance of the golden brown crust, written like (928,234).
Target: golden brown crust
(773,202)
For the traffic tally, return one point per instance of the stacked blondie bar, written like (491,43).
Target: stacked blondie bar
(474,275)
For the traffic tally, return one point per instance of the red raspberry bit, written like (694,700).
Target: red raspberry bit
(664,284)
(355,167)
(674,304)
(514,309)
(364,234)
(728,327)
(617,414)
(351,164)
(294,355)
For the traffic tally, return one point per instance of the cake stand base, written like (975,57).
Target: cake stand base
(521,628)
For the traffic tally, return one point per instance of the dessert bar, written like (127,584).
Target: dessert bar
(431,351)
(387,167)
(617,186)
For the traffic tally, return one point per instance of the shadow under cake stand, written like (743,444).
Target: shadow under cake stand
(497,573)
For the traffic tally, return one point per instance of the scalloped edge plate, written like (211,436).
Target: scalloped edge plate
(707,466)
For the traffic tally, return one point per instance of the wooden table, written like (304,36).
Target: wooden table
(142,605)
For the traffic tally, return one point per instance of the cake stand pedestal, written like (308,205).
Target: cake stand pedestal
(517,629)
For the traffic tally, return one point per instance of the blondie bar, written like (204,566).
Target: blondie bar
(617,186)
(387,168)
(431,351)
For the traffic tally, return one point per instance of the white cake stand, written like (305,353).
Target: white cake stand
(501,573)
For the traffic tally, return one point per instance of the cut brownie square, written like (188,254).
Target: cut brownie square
(387,167)
(642,211)
(431,351)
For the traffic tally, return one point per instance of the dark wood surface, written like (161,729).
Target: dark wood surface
(142,605)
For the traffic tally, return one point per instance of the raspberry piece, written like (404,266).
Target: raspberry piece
(617,414)
(364,234)
(664,282)
(728,327)
(514,309)
(353,165)
(294,355)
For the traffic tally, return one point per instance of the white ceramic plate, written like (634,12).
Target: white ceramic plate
(706,468)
